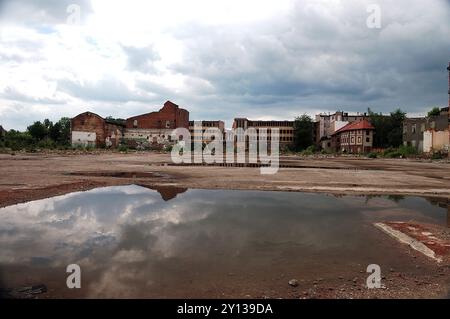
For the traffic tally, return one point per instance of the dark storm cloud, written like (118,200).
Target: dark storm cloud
(317,56)
(311,56)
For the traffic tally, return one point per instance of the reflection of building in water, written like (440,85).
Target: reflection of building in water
(167,192)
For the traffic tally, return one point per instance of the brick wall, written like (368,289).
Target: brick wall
(90,122)
(169,117)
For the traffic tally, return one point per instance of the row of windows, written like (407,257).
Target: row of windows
(270,124)
(135,124)
(345,140)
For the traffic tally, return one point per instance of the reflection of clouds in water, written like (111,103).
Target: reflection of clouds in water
(65,225)
(129,236)
(78,225)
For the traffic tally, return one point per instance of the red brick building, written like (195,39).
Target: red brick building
(90,129)
(155,128)
(151,128)
(170,116)
(355,137)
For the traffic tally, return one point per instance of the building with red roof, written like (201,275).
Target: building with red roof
(355,137)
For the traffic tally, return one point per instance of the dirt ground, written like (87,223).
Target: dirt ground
(25,177)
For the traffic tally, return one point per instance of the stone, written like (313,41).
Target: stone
(293,282)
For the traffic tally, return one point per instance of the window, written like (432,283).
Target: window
(135,123)
(167,124)
(413,129)
(367,132)
(368,139)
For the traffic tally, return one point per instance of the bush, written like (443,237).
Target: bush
(372,155)
(310,150)
(122,148)
(439,155)
(407,150)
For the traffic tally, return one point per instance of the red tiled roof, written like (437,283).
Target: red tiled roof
(359,125)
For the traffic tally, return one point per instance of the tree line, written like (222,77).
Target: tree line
(45,134)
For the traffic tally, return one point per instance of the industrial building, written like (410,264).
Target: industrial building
(285,129)
(147,129)
(203,131)
(90,129)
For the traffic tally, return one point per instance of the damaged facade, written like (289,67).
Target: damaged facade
(155,128)
(285,129)
(427,134)
(90,129)
(203,131)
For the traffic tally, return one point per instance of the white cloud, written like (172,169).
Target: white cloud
(220,59)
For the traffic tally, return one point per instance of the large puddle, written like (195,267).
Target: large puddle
(131,241)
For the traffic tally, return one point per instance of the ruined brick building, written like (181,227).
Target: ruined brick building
(90,129)
(204,131)
(156,127)
(285,129)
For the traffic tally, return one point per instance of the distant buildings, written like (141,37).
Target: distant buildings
(155,127)
(328,124)
(285,129)
(90,129)
(355,137)
(337,132)
(202,131)
(427,134)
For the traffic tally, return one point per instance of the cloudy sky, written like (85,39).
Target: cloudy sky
(220,59)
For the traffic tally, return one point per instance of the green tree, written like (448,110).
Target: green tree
(54,132)
(60,131)
(395,135)
(38,130)
(381,125)
(435,111)
(303,132)
(388,128)
(64,123)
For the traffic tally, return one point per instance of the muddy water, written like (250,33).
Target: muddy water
(131,241)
